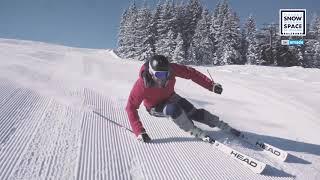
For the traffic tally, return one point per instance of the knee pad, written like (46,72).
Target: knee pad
(172,110)
(183,121)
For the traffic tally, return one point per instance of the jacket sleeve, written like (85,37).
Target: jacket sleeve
(134,101)
(191,73)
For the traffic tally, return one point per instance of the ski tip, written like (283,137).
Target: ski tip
(261,169)
(283,156)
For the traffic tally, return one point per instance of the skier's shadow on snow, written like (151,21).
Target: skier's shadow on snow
(174,139)
(269,171)
(284,144)
(291,145)
(274,172)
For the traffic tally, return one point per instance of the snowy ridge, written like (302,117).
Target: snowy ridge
(113,54)
(48,129)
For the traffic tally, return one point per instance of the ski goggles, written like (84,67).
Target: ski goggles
(161,74)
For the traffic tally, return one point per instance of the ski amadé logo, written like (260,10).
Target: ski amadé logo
(292,42)
(292,22)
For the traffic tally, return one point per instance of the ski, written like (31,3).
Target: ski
(273,151)
(247,161)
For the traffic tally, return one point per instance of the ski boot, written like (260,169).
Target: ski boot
(235,132)
(226,128)
(200,134)
(208,139)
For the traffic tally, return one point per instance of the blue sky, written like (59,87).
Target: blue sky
(94,23)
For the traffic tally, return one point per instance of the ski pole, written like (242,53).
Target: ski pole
(210,74)
(112,121)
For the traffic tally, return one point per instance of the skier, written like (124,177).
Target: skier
(155,86)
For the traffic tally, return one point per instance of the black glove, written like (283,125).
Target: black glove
(144,137)
(217,88)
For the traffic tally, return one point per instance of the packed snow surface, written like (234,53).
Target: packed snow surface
(48,128)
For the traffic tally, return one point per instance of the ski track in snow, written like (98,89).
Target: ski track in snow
(157,160)
(48,128)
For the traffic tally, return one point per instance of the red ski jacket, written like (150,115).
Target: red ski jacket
(152,96)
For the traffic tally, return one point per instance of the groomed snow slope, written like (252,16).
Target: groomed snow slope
(48,129)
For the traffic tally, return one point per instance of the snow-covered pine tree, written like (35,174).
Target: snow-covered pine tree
(225,34)
(315,26)
(164,25)
(144,35)
(309,50)
(192,55)
(179,23)
(215,33)
(193,13)
(231,38)
(154,23)
(243,47)
(316,56)
(201,42)
(127,33)
(121,50)
(300,56)
(178,18)
(252,51)
(179,54)
(167,45)
(263,46)
(236,35)
(207,51)
(311,53)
